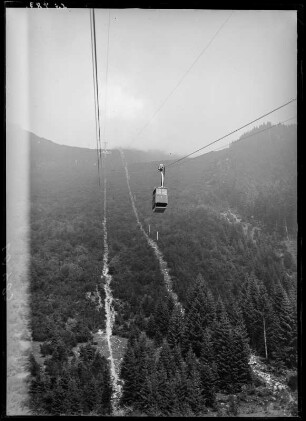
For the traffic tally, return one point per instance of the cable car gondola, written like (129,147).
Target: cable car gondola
(160,194)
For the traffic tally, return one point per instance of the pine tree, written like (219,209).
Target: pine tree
(37,390)
(89,396)
(286,333)
(176,328)
(240,369)
(177,358)
(149,396)
(258,316)
(236,318)
(101,371)
(221,338)
(165,391)
(151,327)
(201,314)
(161,316)
(208,381)
(127,373)
(87,354)
(206,355)
(34,366)
(181,390)
(194,385)
(165,361)
(145,368)
(207,370)
(73,398)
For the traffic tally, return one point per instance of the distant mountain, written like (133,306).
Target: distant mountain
(46,152)
(256,175)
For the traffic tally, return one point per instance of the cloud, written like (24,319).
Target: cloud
(122,105)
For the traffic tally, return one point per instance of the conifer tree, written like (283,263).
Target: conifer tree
(221,338)
(181,390)
(144,355)
(100,369)
(206,355)
(207,370)
(240,369)
(258,315)
(165,361)
(151,327)
(128,368)
(73,397)
(149,396)
(176,328)
(200,315)
(208,382)
(161,316)
(236,318)
(165,391)
(37,390)
(177,358)
(286,334)
(194,386)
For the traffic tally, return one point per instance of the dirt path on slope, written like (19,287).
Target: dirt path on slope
(110,315)
(162,263)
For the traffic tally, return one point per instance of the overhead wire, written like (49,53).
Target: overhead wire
(267,128)
(168,96)
(257,132)
(147,170)
(182,78)
(254,134)
(244,137)
(96,87)
(96,75)
(106,90)
(93,57)
(232,132)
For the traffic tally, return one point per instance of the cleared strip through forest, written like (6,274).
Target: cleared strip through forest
(162,263)
(109,312)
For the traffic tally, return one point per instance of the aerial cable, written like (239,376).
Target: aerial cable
(255,133)
(182,78)
(223,147)
(104,127)
(267,128)
(95,89)
(95,75)
(234,131)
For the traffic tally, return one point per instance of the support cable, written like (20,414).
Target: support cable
(182,78)
(234,131)
(104,127)
(93,56)
(223,147)
(96,85)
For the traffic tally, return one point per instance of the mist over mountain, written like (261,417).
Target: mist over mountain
(47,153)
(256,175)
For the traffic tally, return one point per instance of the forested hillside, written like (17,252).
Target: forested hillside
(238,290)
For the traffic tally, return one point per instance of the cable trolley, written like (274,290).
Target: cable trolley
(160,194)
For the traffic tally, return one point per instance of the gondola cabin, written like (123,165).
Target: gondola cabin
(160,199)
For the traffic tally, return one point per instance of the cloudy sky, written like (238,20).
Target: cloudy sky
(155,97)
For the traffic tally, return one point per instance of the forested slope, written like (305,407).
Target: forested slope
(239,293)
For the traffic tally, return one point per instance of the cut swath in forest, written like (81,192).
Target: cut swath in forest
(110,313)
(162,263)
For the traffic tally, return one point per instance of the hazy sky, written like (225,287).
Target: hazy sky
(248,69)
